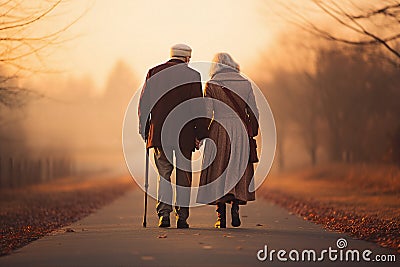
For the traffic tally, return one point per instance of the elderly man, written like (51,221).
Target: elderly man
(167,86)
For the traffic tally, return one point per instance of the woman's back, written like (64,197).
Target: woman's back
(228,174)
(241,92)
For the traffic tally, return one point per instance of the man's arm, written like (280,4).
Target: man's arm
(144,109)
(199,111)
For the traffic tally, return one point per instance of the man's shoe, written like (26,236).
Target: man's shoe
(182,224)
(164,221)
(220,223)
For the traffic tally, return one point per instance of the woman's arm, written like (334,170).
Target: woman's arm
(209,102)
(252,111)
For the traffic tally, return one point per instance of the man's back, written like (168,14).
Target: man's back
(167,86)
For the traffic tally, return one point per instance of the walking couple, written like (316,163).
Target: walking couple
(175,117)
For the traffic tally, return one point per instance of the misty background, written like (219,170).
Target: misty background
(333,101)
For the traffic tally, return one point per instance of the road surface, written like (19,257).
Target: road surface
(114,236)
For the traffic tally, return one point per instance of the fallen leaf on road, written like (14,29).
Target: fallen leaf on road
(228,236)
(259,224)
(207,247)
(69,230)
(162,236)
(239,248)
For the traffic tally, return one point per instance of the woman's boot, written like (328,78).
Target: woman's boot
(221,212)
(235,214)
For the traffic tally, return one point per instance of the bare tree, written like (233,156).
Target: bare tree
(297,109)
(344,109)
(373,23)
(309,119)
(19,43)
(355,90)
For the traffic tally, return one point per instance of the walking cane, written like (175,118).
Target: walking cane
(146,186)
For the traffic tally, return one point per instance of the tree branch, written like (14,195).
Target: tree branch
(19,25)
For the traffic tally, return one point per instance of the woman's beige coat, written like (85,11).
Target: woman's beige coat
(228,175)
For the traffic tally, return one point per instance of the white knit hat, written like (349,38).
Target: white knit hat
(181,50)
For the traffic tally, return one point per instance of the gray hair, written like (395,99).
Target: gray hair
(223,61)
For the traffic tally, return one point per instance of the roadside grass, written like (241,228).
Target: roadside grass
(359,199)
(31,212)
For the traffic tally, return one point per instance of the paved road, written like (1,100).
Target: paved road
(113,236)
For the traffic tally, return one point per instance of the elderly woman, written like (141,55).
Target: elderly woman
(227,174)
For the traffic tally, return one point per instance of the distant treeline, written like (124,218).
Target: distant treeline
(68,129)
(344,108)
